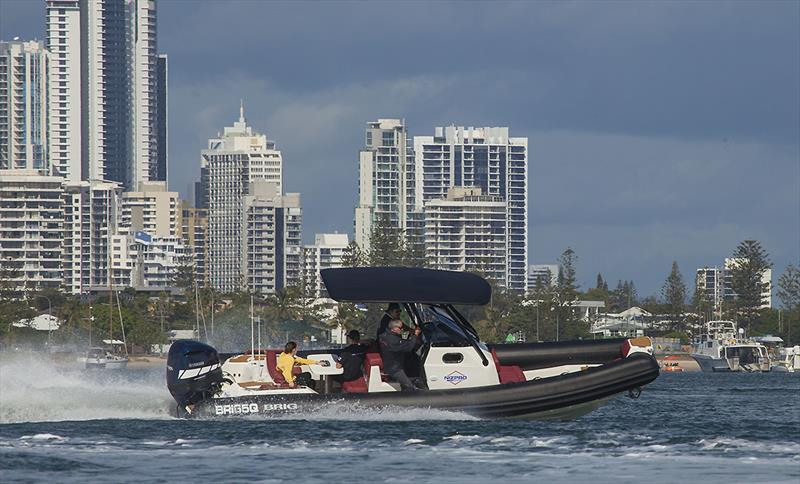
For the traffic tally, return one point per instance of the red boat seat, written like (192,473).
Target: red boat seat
(507,373)
(373,359)
(359,385)
(272,367)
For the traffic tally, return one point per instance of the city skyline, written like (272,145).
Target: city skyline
(631,171)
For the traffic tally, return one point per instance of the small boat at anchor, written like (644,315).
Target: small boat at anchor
(458,371)
(722,349)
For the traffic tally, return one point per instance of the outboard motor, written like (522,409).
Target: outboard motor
(193,373)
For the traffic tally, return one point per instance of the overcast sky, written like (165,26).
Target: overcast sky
(658,131)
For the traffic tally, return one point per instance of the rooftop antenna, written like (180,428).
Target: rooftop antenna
(241,111)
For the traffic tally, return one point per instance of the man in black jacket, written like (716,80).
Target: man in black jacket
(392,312)
(352,358)
(393,351)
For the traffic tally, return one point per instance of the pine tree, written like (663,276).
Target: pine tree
(353,256)
(789,294)
(789,288)
(673,292)
(387,244)
(567,291)
(750,261)
(600,282)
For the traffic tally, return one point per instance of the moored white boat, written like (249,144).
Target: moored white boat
(721,349)
(790,361)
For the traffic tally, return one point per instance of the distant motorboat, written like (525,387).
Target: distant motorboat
(790,362)
(719,350)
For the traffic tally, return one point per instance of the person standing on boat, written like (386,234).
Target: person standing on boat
(394,350)
(288,359)
(392,312)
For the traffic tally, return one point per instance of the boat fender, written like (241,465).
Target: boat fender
(635,392)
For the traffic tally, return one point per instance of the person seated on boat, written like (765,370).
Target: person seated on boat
(392,312)
(394,350)
(287,361)
(351,358)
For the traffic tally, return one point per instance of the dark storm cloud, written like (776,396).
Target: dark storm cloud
(658,131)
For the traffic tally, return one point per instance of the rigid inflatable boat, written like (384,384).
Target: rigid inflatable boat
(457,371)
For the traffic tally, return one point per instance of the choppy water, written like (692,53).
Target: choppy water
(83,426)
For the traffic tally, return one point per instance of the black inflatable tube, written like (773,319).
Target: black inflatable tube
(507,400)
(532,356)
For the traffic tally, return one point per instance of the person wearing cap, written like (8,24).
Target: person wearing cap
(351,358)
(392,312)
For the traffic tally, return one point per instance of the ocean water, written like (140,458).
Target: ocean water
(78,426)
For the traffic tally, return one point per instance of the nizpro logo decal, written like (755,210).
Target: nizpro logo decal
(455,378)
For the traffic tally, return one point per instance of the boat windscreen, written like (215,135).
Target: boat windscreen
(441,330)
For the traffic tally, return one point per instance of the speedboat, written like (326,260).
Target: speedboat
(458,371)
(720,349)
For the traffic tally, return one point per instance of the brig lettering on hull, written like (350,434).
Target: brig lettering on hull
(251,408)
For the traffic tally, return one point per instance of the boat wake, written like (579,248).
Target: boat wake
(36,390)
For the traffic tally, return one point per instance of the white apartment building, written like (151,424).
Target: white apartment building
(147,249)
(91,214)
(23,106)
(325,253)
(766,280)
(103,83)
(542,274)
(63,20)
(467,231)
(232,161)
(194,232)
(709,282)
(271,251)
(123,260)
(487,158)
(145,261)
(716,285)
(151,209)
(31,226)
(157,260)
(387,181)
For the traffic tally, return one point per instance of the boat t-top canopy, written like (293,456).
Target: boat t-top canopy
(405,284)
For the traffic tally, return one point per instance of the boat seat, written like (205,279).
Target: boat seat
(376,381)
(374,359)
(359,385)
(272,367)
(508,373)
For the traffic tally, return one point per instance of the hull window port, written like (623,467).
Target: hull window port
(452,358)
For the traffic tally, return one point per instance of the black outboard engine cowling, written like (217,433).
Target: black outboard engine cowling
(193,372)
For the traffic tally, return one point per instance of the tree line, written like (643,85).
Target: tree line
(546,312)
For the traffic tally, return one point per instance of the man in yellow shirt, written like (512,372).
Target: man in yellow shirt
(288,359)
